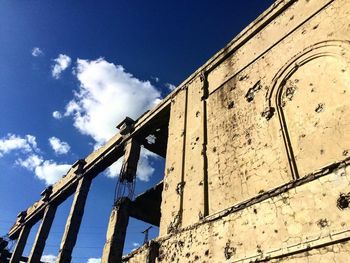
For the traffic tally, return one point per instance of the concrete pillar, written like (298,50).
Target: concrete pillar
(41,236)
(131,157)
(73,222)
(21,243)
(116,232)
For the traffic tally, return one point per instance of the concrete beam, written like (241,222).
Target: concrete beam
(116,232)
(21,243)
(74,220)
(43,232)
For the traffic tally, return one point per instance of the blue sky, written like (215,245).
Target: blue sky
(71,70)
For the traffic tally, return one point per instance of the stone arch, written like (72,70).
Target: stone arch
(311,95)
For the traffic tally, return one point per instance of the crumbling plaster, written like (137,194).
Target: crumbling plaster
(277,109)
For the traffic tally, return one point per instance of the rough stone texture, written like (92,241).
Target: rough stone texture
(193,204)
(301,218)
(146,254)
(173,179)
(338,253)
(256,146)
(246,154)
(140,255)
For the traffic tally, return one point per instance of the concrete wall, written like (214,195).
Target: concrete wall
(270,109)
(287,222)
(173,175)
(304,78)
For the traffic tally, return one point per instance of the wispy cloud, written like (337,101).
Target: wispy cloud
(59,146)
(170,86)
(31,162)
(62,62)
(57,115)
(37,52)
(29,157)
(156,79)
(46,170)
(13,142)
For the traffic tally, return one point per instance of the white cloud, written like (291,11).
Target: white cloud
(14,142)
(107,94)
(51,172)
(59,146)
(48,258)
(32,141)
(94,260)
(73,107)
(46,170)
(114,169)
(144,168)
(31,162)
(135,244)
(62,62)
(57,115)
(170,86)
(36,52)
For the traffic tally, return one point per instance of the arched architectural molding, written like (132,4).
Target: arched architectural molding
(338,49)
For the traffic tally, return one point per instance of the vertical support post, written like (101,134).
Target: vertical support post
(116,232)
(131,157)
(73,222)
(43,232)
(21,243)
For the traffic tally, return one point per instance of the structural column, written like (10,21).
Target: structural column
(21,243)
(74,220)
(116,232)
(131,157)
(43,232)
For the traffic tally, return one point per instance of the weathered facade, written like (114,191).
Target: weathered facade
(257,148)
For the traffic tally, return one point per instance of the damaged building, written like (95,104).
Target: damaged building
(257,149)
